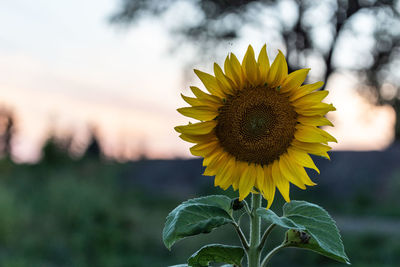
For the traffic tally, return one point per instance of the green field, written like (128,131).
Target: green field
(62,212)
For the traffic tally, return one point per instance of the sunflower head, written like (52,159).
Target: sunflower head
(257,125)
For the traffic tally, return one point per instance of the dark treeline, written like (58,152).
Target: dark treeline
(56,148)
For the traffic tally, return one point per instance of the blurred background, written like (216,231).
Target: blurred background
(90,164)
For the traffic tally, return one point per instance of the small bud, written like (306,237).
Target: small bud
(296,237)
(236,204)
(304,237)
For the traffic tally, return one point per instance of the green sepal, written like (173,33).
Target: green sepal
(217,253)
(196,216)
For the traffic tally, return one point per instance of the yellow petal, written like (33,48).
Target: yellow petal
(197,128)
(214,155)
(216,165)
(311,134)
(281,183)
(247,181)
(191,138)
(314,120)
(193,101)
(286,171)
(231,73)
(223,81)
(235,184)
(210,83)
(237,69)
(217,178)
(269,185)
(229,163)
(278,71)
(329,137)
(205,97)
(203,149)
(250,66)
(310,99)
(301,158)
(259,177)
(240,167)
(313,148)
(308,134)
(226,174)
(304,90)
(294,80)
(263,64)
(201,113)
(319,109)
(301,174)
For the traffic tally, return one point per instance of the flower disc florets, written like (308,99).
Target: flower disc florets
(256,125)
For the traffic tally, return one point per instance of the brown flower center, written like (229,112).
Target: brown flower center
(256,125)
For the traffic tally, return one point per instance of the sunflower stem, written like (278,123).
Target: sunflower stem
(253,253)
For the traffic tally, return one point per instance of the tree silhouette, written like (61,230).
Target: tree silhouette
(317,31)
(93,149)
(6,131)
(56,150)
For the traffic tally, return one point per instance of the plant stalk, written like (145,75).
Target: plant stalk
(253,254)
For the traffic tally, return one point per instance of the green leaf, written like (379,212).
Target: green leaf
(196,216)
(223,202)
(216,253)
(299,239)
(320,226)
(311,228)
(271,217)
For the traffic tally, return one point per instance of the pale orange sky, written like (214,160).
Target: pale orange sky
(65,75)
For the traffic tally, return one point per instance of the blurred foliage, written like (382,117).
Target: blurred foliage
(312,32)
(91,211)
(7,130)
(77,214)
(87,212)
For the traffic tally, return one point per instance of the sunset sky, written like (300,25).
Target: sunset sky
(63,68)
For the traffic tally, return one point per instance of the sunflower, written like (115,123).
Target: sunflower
(257,125)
